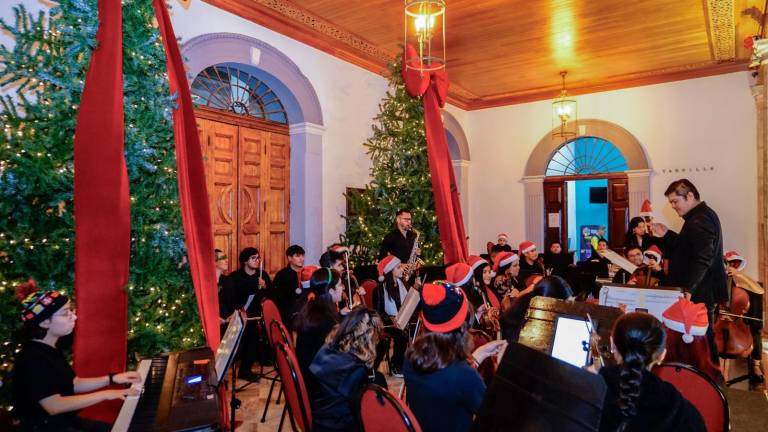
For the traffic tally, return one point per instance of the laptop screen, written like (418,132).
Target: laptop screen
(571,341)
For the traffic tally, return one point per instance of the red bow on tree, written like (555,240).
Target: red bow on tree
(433,86)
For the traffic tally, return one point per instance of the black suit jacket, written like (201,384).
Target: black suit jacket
(696,256)
(396,244)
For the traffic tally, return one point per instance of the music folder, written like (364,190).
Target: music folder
(225,355)
(407,308)
(535,392)
(620,261)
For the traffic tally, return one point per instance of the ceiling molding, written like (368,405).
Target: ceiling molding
(721,29)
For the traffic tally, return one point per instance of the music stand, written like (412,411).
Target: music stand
(535,392)
(225,357)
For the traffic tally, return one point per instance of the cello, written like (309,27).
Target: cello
(732,335)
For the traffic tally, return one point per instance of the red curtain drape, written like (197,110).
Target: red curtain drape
(193,193)
(433,87)
(102,211)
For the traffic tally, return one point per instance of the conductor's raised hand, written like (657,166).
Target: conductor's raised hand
(658,229)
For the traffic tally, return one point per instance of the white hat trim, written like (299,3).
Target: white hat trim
(465,279)
(528,249)
(508,261)
(680,328)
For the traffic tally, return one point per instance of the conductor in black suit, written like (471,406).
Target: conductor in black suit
(696,253)
(399,242)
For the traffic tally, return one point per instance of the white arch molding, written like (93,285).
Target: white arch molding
(458,146)
(638,174)
(305,120)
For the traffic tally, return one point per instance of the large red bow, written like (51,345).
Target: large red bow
(433,86)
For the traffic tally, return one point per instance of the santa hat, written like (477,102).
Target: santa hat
(687,318)
(386,265)
(502,236)
(645,209)
(339,249)
(306,275)
(504,259)
(443,307)
(526,246)
(475,261)
(458,274)
(735,256)
(654,252)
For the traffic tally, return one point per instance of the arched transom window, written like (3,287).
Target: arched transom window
(586,155)
(231,89)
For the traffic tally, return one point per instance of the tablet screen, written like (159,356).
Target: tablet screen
(571,341)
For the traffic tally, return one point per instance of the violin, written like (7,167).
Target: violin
(732,335)
(643,277)
(487,368)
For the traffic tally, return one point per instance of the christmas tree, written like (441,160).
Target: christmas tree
(399,178)
(42,79)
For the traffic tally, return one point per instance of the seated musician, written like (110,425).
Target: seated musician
(638,400)
(482,277)
(387,300)
(461,275)
(686,325)
(634,255)
(507,281)
(502,241)
(443,390)
(557,260)
(530,262)
(513,313)
(652,274)
(341,368)
(735,264)
(335,258)
(46,392)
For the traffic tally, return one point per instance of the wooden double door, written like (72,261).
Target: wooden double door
(247,164)
(556,208)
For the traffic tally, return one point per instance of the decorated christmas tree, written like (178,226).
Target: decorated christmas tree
(399,178)
(41,78)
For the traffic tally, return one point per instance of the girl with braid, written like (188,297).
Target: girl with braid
(637,400)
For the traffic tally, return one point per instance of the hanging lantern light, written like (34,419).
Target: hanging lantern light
(564,114)
(425,31)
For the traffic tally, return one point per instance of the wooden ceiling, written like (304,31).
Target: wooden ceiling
(502,52)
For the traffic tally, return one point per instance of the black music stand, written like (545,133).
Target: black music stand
(225,357)
(535,392)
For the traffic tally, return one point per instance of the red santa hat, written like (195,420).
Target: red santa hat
(526,246)
(654,252)
(735,256)
(504,259)
(306,275)
(502,236)
(458,274)
(386,265)
(339,249)
(645,209)
(475,261)
(687,318)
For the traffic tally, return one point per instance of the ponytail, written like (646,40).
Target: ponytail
(640,339)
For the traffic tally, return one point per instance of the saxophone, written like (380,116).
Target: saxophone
(413,261)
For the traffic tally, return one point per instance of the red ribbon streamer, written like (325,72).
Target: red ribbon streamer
(433,86)
(193,192)
(102,210)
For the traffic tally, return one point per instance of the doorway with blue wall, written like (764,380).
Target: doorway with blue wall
(587,213)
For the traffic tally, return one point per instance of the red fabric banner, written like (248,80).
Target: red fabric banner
(433,87)
(102,210)
(193,193)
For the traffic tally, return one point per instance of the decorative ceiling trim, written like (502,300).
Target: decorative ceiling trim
(721,29)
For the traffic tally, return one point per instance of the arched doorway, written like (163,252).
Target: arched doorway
(458,147)
(304,119)
(554,163)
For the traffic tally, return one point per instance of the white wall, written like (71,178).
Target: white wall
(684,125)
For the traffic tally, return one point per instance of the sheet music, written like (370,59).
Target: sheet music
(656,301)
(248,302)
(620,261)
(123,420)
(407,308)
(228,345)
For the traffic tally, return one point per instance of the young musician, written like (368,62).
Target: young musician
(483,275)
(399,242)
(288,285)
(444,390)
(46,392)
(557,260)
(599,235)
(507,281)
(502,240)
(222,266)
(341,369)
(635,256)
(387,300)
(317,317)
(653,256)
(529,262)
(336,257)
(513,315)
(461,275)
(249,279)
(637,400)
(735,264)
(638,235)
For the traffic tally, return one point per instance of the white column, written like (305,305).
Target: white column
(639,182)
(461,171)
(307,188)
(534,208)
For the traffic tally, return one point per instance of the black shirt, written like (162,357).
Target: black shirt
(398,245)
(308,342)
(528,270)
(238,286)
(40,371)
(287,300)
